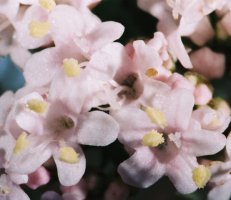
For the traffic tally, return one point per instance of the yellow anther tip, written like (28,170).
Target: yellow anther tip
(151,72)
(71,67)
(201,175)
(39,29)
(37,105)
(153,139)
(21,143)
(68,155)
(47,4)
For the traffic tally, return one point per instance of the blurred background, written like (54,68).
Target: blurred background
(102,162)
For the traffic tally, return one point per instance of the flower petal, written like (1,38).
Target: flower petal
(97,128)
(31,158)
(70,174)
(203,142)
(179,171)
(142,169)
(221,192)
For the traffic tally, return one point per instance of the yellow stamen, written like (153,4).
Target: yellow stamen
(151,72)
(153,139)
(68,155)
(201,175)
(71,67)
(47,4)
(39,29)
(156,116)
(21,143)
(37,106)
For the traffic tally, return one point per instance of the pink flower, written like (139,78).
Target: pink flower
(202,94)
(166,141)
(203,32)
(54,128)
(208,63)
(127,71)
(179,18)
(38,178)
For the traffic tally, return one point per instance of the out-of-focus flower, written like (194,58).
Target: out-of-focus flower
(208,63)
(38,178)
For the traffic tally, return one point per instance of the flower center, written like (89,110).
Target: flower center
(62,123)
(130,91)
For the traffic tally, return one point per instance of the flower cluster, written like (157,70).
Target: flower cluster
(83,88)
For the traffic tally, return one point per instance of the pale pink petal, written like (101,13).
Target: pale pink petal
(142,169)
(30,122)
(70,174)
(17,193)
(178,49)
(19,55)
(228,146)
(7,143)
(210,119)
(203,33)
(9,8)
(221,192)
(41,67)
(64,30)
(132,129)
(202,94)
(6,102)
(81,87)
(203,142)
(178,81)
(18,178)
(146,56)
(177,107)
(179,171)
(173,35)
(97,128)
(101,35)
(105,63)
(31,158)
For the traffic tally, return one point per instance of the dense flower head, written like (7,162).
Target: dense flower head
(84,88)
